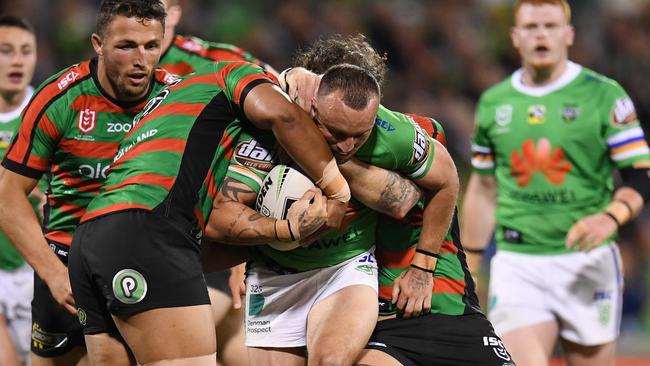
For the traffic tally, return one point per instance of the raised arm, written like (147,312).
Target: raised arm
(268,107)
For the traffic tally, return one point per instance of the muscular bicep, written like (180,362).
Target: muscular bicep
(266,103)
(442,172)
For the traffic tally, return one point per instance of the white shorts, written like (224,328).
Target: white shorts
(277,306)
(16,293)
(581,291)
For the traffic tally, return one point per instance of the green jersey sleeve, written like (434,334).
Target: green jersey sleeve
(482,152)
(625,139)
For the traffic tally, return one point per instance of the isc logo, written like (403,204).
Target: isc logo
(94,172)
(67,79)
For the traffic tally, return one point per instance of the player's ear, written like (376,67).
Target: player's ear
(174,13)
(570,36)
(97,43)
(514,37)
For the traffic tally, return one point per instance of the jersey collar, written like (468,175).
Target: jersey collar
(8,116)
(572,71)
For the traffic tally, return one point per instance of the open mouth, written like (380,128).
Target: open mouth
(16,77)
(541,49)
(137,77)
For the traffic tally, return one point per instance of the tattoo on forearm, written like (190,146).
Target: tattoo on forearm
(230,189)
(398,191)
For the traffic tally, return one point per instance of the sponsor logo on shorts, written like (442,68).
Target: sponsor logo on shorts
(255,304)
(497,347)
(43,340)
(81,314)
(258,326)
(603,301)
(129,286)
(366,268)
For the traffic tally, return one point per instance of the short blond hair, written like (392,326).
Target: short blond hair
(562,3)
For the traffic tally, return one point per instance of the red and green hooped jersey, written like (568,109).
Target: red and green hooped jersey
(187,54)
(163,161)
(552,150)
(453,291)
(72,128)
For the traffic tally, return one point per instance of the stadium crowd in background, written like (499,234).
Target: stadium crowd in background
(457,59)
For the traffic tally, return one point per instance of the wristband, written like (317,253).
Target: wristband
(427,253)
(474,251)
(618,224)
(332,183)
(619,211)
(283,231)
(629,207)
(421,268)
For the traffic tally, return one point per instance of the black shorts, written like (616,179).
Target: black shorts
(54,330)
(435,339)
(219,281)
(132,261)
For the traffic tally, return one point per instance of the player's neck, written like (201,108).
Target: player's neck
(10,101)
(535,77)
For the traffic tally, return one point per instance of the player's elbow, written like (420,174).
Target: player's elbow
(214,232)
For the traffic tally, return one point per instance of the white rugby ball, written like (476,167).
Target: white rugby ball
(282,187)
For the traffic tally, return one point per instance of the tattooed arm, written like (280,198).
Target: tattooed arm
(382,190)
(233,221)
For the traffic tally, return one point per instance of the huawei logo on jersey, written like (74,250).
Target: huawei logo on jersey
(550,162)
(87,120)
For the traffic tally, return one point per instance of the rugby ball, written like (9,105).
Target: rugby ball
(281,188)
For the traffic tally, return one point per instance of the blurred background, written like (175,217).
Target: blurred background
(441,53)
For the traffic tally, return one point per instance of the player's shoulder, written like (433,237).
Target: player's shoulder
(163,77)
(66,82)
(597,80)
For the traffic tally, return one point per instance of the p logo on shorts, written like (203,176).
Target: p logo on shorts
(129,286)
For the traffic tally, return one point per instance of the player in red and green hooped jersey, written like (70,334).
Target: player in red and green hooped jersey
(546,141)
(17,63)
(183,55)
(72,128)
(144,226)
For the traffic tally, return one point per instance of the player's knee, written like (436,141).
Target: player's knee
(328,357)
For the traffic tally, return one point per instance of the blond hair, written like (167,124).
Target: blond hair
(561,3)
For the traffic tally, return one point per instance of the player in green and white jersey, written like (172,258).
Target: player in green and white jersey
(546,141)
(17,63)
(400,145)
